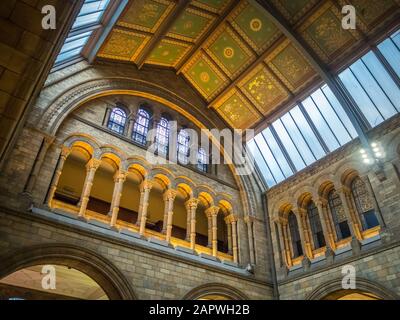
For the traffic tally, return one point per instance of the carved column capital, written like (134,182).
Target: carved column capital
(146,185)
(93,164)
(231,218)
(212,211)
(169,194)
(249,219)
(120,176)
(192,203)
(65,152)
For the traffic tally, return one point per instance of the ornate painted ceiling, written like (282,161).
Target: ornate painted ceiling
(237,59)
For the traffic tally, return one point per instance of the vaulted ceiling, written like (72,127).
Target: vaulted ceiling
(234,55)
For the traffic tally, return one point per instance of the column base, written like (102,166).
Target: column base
(355,245)
(306,263)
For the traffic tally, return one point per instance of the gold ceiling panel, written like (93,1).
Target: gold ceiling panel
(236,111)
(146,15)
(229,52)
(168,53)
(324,33)
(294,10)
(263,89)
(123,45)
(290,66)
(216,6)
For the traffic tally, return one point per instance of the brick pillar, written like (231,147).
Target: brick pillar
(145,188)
(65,151)
(170,194)
(91,168)
(119,180)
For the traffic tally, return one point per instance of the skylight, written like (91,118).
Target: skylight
(88,19)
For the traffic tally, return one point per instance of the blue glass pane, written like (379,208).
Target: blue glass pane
(262,166)
(288,144)
(396,38)
(331,117)
(68,55)
(308,134)
(360,97)
(392,54)
(79,43)
(385,81)
(272,164)
(320,124)
(372,88)
(78,36)
(276,150)
(339,111)
(93,6)
(298,139)
(87,19)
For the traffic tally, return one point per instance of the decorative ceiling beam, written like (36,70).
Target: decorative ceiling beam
(197,47)
(246,71)
(276,17)
(161,32)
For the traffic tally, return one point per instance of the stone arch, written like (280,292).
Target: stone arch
(163,175)
(137,163)
(188,183)
(393,147)
(218,289)
(101,270)
(363,285)
(93,147)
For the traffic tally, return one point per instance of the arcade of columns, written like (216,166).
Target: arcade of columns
(168,197)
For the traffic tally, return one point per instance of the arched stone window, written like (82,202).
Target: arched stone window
(183,146)
(364,204)
(141,127)
(338,215)
(202,160)
(162,136)
(315,225)
(117,120)
(295,235)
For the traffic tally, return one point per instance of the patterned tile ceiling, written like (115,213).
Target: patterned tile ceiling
(237,59)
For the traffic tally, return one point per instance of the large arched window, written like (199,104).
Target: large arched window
(338,215)
(202,160)
(117,120)
(315,225)
(162,136)
(364,205)
(183,147)
(295,235)
(141,127)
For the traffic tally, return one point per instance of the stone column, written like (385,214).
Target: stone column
(91,168)
(65,151)
(355,230)
(145,188)
(326,227)
(188,220)
(170,195)
(299,213)
(249,220)
(192,204)
(212,212)
(233,220)
(119,180)
(30,184)
(286,246)
(165,217)
(229,228)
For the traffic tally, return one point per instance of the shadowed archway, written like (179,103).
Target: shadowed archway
(215,291)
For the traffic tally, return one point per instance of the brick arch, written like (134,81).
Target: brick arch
(101,270)
(363,285)
(215,289)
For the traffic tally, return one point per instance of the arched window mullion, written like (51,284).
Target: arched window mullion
(141,127)
(338,215)
(117,120)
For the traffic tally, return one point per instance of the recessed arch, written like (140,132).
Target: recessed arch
(363,285)
(101,270)
(215,289)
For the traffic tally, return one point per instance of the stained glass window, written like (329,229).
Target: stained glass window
(315,225)
(162,136)
(338,215)
(141,127)
(364,204)
(117,120)
(183,147)
(202,160)
(295,235)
